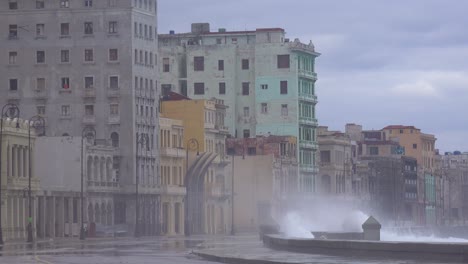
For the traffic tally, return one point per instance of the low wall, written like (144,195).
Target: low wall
(339,235)
(413,250)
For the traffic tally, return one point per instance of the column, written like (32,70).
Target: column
(170,224)
(182,218)
(53,216)
(70,216)
(9,217)
(20,162)
(26,162)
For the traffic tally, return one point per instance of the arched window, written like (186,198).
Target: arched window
(115,139)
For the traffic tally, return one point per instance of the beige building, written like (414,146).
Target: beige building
(14,180)
(205,179)
(266,179)
(172,152)
(335,162)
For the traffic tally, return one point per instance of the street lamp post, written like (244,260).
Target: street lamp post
(192,144)
(233,230)
(8,111)
(88,132)
(141,139)
(37,122)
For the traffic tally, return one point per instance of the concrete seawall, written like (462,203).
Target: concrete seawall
(414,250)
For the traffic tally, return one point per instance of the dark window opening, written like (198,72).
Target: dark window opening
(199,88)
(222,88)
(199,63)
(245,88)
(220,65)
(283,61)
(284,87)
(245,64)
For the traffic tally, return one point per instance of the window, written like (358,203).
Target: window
(251,151)
(39,30)
(284,110)
(40,4)
(373,150)
(220,65)
(64,56)
(13,84)
(199,63)
(40,56)
(12,56)
(64,29)
(166,67)
(264,109)
(284,87)
(13,5)
(234,40)
(65,83)
(64,3)
(246,111)
(89,110)
(88,28)
(415,146)
(401,131)
(219,41)
(114,109)
(222,88)
(325,156)
(111,3)
(165,89)
(245,64)
(115,139)
(245,88)
(88,3)
(283,61)
(112,27)
(65,110)
(89,82)
(246,133)
(88,54)
(13,31)
(40,84)
(113,55)
(114,82)
(40,109)
(199,88)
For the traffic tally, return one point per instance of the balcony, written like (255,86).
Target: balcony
(298,46)
(209,126)
(310,121)
(99,186)
(308,144)
(309,168)
(308,97)
(222,129)
(89,93)
(173,190)
(214,191)
(113,93)
(307,74)
(113,120)
(40,94)
(13,95)
(89,120)
(172,152)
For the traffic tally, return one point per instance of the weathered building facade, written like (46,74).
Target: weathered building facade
(265,179)
(266,80)
(87,64)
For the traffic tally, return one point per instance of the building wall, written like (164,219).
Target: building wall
(64,106)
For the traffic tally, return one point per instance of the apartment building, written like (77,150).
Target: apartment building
(266,80)
(87,64)
(205,179)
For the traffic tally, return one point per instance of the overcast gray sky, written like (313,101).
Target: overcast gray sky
(383,62)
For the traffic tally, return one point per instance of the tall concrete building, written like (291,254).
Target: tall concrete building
(267,81)
(87,64)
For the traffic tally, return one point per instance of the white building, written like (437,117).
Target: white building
(87,64)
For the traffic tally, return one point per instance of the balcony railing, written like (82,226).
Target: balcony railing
(308,97)
(173,190)
(102,186)
(172,152)
(308,168)
(307,74)
(308,120)
(114,120)
(308,144)
(113,92)
(89,92)
(90,120)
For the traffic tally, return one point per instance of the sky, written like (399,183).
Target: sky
(382,62)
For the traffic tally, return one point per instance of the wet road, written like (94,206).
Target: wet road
(166,250)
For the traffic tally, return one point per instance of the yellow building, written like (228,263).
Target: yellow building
(14,180)
(172,171)
(204,136)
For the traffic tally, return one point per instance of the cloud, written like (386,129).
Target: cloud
(383,62)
